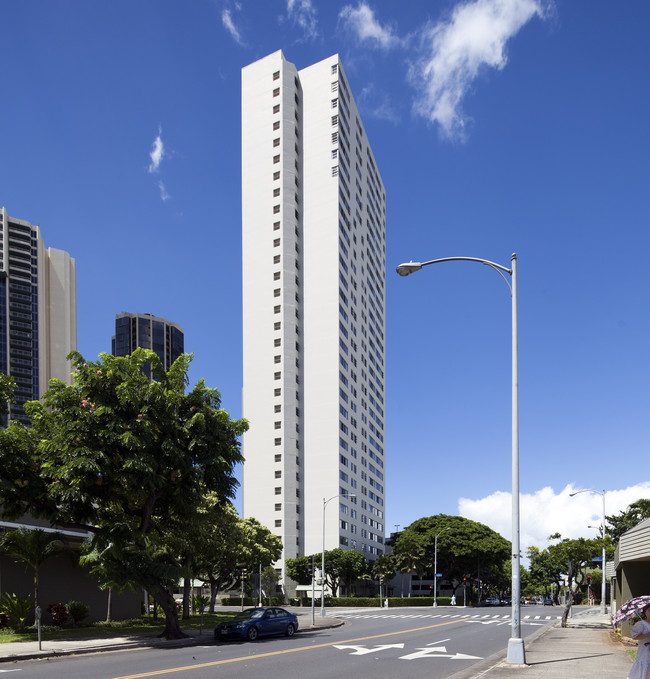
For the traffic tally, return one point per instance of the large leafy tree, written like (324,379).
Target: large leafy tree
(123,457)
(574,557)
(258,546)
(544,571)
(217,556)
(342,568)
(630,517)
(465,548)
(298,569)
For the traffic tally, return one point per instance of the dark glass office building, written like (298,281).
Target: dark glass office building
(147,331)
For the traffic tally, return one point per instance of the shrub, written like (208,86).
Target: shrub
(78,610)
(16,607)
(250,601)
(200,602)
(59,614)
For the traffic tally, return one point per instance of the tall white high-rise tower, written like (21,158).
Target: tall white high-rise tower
(38,311)
(314,260)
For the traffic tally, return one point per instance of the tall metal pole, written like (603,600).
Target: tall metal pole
(435,572)
(435,567)
(603,586)
(516,652)
(322,568)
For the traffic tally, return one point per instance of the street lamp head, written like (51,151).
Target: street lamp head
(408,268)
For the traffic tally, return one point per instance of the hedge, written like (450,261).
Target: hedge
(250,601)
(393,602)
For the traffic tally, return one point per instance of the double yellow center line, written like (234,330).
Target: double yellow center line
(300,649)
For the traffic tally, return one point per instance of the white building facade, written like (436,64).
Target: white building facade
(314,246)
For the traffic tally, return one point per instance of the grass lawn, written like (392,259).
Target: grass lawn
(144,626)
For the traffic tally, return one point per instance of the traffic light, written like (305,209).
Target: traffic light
(311,566)
(244,573)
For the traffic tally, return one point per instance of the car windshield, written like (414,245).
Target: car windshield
(250,614)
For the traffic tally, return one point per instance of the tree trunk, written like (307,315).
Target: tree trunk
(567,608)
(213,595)
(172,626)
(110,602)
(187,586)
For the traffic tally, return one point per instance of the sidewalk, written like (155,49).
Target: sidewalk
(583,650)
(29,649)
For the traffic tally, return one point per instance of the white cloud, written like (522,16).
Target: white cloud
(157,153)
(546,512)
(377,104)
(303,14)
(229,25)
(164,195)
(474,36)
(361,21)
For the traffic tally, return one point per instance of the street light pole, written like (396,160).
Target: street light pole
(435,567)
(322,571)
(603,585)
(516,653)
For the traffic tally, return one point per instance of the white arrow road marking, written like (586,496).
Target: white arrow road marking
(18,670)
(438,652)
(362,650)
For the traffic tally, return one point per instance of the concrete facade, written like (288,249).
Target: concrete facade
(313,235)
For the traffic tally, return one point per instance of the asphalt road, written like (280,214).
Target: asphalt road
(384,644)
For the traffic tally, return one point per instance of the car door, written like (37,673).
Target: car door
(268,623)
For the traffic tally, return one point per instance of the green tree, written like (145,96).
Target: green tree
(348,564)
(630,517)
(259,546)
(543,571)
(408,553)
(216,558)
(270,579)
(7,387)
(123,457)
(383,569)
(298,569)
(465,548)
(574,557)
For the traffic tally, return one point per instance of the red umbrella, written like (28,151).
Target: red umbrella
(631,608)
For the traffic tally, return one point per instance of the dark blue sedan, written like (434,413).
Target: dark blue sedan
(258,622)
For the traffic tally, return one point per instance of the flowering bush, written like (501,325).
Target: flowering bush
(59,614)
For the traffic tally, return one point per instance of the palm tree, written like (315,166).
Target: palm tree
(34,547)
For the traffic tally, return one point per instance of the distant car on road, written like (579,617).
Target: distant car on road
(548,601)
(491,601)
(258,622)
(507,601)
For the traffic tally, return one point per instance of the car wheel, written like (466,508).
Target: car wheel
(252,633)
(291,630)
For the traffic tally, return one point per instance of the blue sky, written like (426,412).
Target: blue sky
(498,126)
